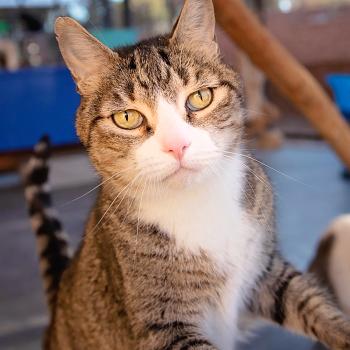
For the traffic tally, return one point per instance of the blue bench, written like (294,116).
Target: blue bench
(34,102)
(37,101)
(340,85)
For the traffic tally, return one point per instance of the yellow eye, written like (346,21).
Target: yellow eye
(200,99)
(129,119)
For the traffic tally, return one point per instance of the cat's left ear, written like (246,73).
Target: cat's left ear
(85,56)
(195,26)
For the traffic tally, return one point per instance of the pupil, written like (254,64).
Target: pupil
(126,115)
(200,95)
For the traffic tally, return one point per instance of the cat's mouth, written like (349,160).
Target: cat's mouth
(180,172)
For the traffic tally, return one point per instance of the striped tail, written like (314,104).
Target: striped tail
(52,242)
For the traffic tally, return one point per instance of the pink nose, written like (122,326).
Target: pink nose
(173,134)
(177,149)
(176,146)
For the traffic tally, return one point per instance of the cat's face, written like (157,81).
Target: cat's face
(166,111)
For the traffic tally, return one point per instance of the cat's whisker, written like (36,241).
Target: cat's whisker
(259,178)
(223,169)
(122,199)
(268,166)
(108,180)
(132,201)
(127,190)
(115,175)
(250,170)
(130,191)
(115,199)
(154,188)
(218,152)
(138,219)
(158,185)
(97,186)
(267,185)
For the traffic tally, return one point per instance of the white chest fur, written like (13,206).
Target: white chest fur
(210,218)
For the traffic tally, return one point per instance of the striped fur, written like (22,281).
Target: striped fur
(173,257)
(51,240)
(297,302)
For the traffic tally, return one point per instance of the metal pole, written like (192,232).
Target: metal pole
(107,14)
(127,14)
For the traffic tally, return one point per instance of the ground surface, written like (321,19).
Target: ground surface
(304,208)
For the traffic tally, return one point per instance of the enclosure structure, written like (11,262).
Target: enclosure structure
(286,73)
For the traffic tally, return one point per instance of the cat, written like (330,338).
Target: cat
(331,261)
(181,243)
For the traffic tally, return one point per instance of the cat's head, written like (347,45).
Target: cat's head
(165,111)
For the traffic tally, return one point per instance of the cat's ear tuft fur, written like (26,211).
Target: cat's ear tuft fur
(196,25)
(85,56)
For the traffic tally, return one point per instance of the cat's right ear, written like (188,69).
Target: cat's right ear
(85,56)
(195,26)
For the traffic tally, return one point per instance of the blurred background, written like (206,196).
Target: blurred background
(37,96)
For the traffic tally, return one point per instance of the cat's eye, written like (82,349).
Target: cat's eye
(200,99)
(129,119)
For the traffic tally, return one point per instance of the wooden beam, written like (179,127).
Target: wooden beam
(286,73)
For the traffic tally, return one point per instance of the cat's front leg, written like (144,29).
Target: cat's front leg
(174,336)
(297,302)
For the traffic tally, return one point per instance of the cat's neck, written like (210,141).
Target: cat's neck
(195,216)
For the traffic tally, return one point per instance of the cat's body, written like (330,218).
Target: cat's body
(203,281)
(181,242)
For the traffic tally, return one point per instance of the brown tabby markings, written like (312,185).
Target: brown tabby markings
(130,285)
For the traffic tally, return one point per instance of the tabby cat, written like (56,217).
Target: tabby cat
(181,242)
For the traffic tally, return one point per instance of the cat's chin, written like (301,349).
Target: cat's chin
(183,178)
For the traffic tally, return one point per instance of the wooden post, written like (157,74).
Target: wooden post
(286,73)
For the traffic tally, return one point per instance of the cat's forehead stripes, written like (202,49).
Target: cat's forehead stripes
(144,72)
(153,68)
(164,56)
(132,63)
